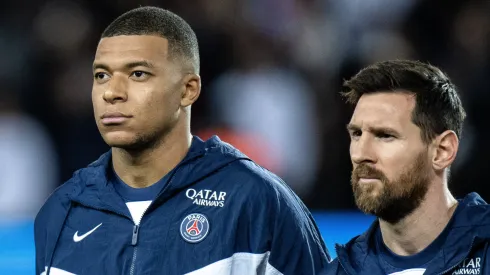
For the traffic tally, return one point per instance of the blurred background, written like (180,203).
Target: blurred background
(271,72)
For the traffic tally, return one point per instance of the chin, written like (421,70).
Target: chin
(369,200)
(120,140)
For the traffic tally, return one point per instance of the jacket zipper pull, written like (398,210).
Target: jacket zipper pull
(134,240)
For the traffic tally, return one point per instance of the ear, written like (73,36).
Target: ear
(446,147)
(192,90)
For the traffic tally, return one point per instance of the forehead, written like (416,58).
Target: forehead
(384,109)
(123,48)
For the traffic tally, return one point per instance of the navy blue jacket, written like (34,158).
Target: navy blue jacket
(464,251)
(219,213)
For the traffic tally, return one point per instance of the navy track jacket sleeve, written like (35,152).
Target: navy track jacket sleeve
(40,242)
(297,246)
(53,213)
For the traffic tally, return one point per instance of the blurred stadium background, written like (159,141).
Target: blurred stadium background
(271,71)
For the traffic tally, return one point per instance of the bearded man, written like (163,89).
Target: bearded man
(405,133)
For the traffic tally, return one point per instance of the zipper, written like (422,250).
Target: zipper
(466,255)
(134,242)
(134,239)
(135,231)
(136,227)
(135,251)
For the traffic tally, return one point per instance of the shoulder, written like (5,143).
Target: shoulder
(248,173)
(242,172)
(248,176)
(265,192)
(58,200)
(474,211)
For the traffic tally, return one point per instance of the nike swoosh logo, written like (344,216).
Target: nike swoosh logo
(77,238)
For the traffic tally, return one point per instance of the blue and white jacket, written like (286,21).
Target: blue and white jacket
(465,250)
(219,213)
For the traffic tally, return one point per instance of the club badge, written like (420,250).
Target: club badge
(194,228)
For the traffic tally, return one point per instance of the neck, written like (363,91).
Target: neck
(145,167)
(419,229)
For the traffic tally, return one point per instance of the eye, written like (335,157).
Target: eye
(385,136)
(140,75)
(101,77)
(355,134)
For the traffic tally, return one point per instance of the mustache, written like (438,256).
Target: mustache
(366,171)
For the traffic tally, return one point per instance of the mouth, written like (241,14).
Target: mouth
(366,180)
(114,118)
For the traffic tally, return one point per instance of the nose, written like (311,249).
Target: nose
(362,151)
(116,91)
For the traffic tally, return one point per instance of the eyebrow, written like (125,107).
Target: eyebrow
(130,65)
(352,127)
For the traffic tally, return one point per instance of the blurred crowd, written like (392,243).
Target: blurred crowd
(271,73)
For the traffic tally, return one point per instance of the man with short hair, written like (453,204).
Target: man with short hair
(163,201)
(405,133)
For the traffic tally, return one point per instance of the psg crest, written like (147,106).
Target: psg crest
(194,228)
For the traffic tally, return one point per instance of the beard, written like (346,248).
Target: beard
(394,199)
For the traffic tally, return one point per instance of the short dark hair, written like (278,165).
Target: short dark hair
(182,40)
(438,107)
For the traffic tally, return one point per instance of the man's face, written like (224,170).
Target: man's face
(391,167)
(136,91)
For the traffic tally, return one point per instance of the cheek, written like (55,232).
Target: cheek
(156,106)
(153,100)
(393,159)
(98,95)
(97,101)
